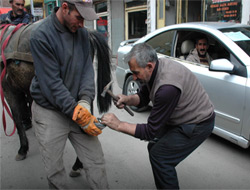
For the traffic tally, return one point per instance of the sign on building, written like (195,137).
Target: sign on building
(224,10)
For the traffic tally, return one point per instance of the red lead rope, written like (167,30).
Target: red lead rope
(5,106)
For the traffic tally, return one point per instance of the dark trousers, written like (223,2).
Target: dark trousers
(176,144)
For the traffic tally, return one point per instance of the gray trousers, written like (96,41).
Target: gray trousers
(52,129)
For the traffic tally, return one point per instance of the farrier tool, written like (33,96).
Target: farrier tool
(99,124)
(107,90)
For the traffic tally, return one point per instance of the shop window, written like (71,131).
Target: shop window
(137,24)
(224,11)
(130,3)
(101,7)
(102,26)
(49,8)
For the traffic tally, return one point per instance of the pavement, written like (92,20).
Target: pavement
(216,164)
(127,163)
(126,167)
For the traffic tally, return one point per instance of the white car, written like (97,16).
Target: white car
(226,79)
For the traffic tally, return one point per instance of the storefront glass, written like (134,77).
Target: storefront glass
(102,22)
(101,7)
(102,26)
(134,3)
(224,10)
(137,26)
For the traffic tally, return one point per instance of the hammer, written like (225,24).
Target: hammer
(107,90)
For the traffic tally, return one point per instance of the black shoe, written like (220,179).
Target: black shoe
(75,173)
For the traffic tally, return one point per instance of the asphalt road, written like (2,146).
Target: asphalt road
(216,164)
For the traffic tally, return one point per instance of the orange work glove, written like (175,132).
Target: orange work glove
(85,120)
(81,115)
(91,128)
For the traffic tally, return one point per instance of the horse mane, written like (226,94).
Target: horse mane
(100,48)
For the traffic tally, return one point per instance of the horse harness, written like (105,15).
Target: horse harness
(4,28)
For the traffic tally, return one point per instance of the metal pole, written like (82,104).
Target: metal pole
(32,9)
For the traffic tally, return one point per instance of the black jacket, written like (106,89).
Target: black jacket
(9,19)
(64,72)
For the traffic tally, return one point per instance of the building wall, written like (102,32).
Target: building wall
(117,24)
(4,3)
(170,15)
(152,16)
(245,12)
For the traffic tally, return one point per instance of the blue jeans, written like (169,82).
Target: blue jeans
(173,147)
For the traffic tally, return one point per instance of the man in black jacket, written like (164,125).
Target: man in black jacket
(16,15)
(62,89)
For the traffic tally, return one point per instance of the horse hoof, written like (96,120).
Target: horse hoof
(20,157)
(75,173)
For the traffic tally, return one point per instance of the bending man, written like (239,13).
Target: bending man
(182,116)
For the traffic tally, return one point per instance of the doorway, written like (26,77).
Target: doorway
(137,26)
(189,11)
(135,19)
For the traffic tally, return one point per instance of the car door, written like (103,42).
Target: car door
(226,91)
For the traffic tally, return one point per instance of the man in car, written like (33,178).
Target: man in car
(16,15)
(182,116)
(199,54)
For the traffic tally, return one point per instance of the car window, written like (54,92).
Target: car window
(163,42)
(241,36)
(216,50)
(186,47)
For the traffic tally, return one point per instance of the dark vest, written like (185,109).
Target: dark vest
(194,105)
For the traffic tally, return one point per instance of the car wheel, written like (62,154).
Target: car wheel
(132,87)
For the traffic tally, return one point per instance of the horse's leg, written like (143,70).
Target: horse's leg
(16,103)
(26,116)
(20,74)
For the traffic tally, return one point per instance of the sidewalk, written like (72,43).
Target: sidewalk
(127,162)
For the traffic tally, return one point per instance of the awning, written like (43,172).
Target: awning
(4,10)
(27,2)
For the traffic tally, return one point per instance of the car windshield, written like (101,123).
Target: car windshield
(241,36)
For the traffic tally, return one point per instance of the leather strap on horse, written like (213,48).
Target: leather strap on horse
(5,106)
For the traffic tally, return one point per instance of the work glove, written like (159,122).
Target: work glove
(84,119)
(91,128)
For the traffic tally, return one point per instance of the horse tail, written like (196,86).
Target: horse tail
(100,48)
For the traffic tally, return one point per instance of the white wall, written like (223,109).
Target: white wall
(245,12)
(153,15)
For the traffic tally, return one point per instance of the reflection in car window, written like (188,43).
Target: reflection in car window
(162,43)
(241,36)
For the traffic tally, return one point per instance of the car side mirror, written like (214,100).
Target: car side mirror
(221,65)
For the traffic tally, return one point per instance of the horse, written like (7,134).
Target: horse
(17,71)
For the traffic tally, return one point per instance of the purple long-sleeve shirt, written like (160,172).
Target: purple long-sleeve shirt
(166,99)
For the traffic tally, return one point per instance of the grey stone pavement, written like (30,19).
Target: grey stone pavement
(126,158)
(216,164)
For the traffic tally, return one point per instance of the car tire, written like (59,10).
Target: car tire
(132,87)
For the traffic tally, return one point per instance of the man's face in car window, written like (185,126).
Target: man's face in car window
(202,47)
